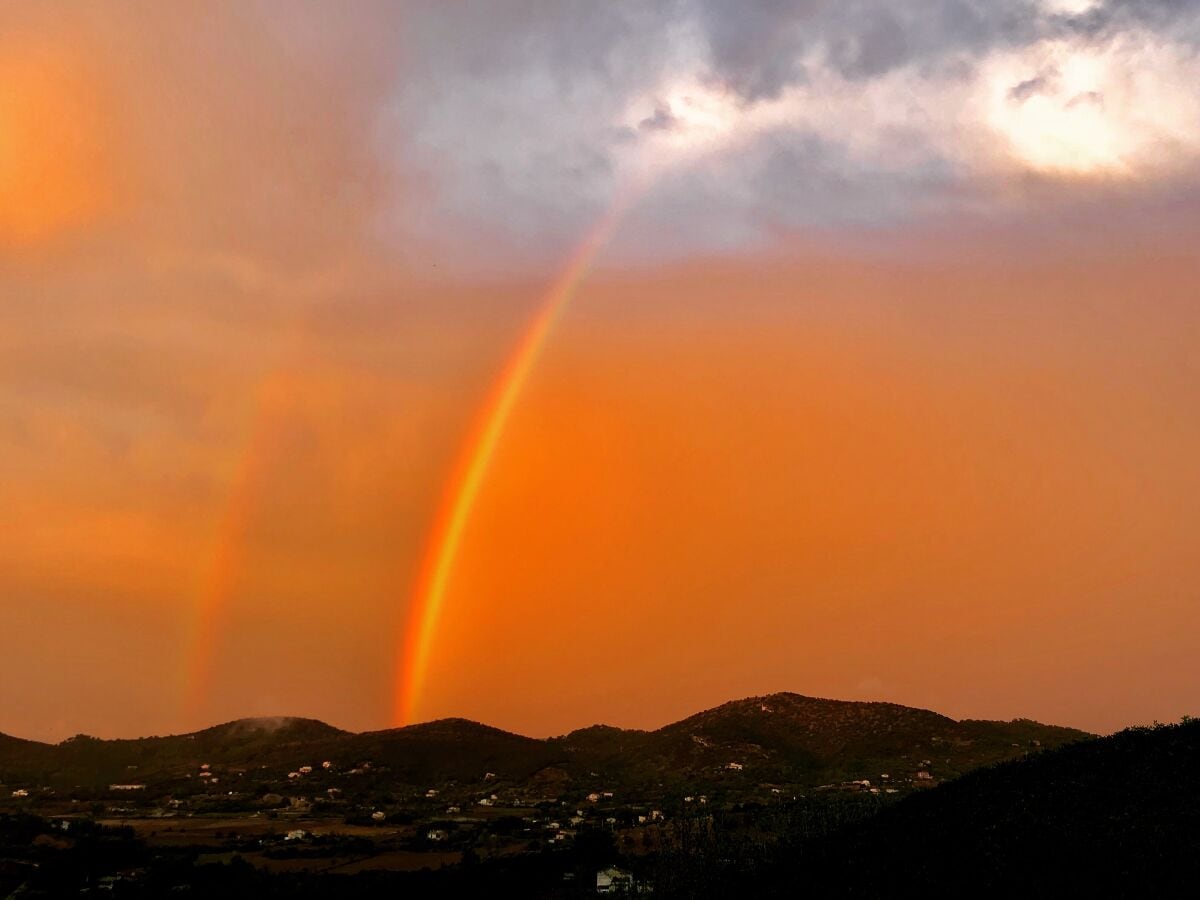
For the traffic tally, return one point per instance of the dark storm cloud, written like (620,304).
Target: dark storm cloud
(523,113)
(758,47)
(1180,19)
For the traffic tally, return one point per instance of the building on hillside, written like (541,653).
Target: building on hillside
(613,880)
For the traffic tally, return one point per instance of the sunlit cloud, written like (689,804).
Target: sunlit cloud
(1128,107)
(1071,7)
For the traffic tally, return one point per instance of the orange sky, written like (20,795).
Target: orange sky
(948,462)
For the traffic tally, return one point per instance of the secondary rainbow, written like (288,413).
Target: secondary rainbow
(462,488)
(221,577)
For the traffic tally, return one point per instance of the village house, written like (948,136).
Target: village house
(613,880)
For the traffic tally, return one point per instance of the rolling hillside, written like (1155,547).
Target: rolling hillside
(782,738)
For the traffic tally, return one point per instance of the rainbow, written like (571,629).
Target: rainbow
(453,512)
(463,486)
(220,578)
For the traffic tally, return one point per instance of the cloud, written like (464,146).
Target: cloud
(818,114)
(1030,87)
(662,120)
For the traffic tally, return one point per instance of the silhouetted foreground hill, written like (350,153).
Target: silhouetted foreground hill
(1111,817)
(782,738)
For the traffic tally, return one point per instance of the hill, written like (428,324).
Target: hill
(87,760)
(1114,817)
(793,739)
(739,746)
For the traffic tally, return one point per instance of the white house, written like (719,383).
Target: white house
(613,880)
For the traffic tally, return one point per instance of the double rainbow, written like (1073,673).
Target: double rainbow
(415,645)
